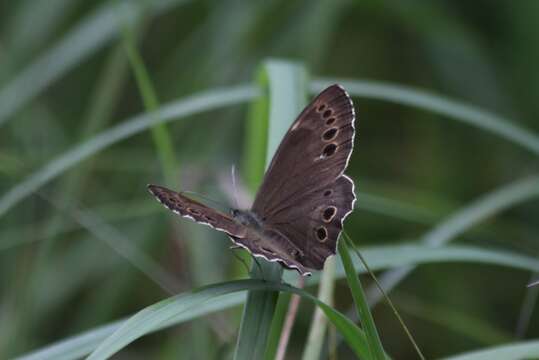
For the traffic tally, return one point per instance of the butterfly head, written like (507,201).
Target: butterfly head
(247,218)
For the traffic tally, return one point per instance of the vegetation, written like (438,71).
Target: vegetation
(97,99)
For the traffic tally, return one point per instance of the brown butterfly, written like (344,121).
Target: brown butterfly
(298,212)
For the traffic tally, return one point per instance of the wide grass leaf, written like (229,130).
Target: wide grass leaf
(146,320)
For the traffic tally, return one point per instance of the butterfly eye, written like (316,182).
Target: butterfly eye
(329,213)
(330,134)
(329,150)
(322,234)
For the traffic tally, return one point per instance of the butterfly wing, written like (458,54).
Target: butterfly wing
(304,195)
(200,213)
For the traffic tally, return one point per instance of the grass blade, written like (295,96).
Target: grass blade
(463,220)
(378,258)
(205,101)
(362,307)
(89,36)
(160,134)
(453,109)
(144,321)
(514,351)
(286,84)
(315,339)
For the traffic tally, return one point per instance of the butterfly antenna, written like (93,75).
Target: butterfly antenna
(215,202)
(234,185)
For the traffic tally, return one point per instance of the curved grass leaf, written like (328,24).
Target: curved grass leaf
(373,338)
(144,321)
(464,219)
(378,258)
(90,35)
(83,344)
(205,101)
(318,326)
(161,137)
(456,110)
(515,351)
(286,89)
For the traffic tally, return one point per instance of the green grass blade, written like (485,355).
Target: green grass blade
(205,101)
(144,321)
(83,344)
(315,339)
(362,307)
(395,256)
(90,35)
(279,318)
(453,109)
(514,351)
(160,134)
(31,25)
(394,208)
(377,257)
(286,89)
(458,321)
(464,219)
(256,135)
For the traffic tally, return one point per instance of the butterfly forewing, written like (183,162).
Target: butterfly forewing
(304,194)
(191,209)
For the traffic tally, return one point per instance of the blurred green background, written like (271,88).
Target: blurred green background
(91,246)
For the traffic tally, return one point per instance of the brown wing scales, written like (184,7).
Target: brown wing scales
(315,229)
(305,195)
(200,213)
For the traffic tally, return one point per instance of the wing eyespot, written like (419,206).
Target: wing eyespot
(330,121)
(329,150)
(193,211)
(330,134)
(321,108)
(327,113)
(329,213)
(328,192)
(321,234)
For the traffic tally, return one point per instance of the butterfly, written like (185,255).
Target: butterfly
(298,212)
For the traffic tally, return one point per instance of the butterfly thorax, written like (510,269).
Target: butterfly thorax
(266,241)
(247,218)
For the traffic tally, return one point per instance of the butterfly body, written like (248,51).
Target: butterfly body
(247,218)
(263,241)
(298,213)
